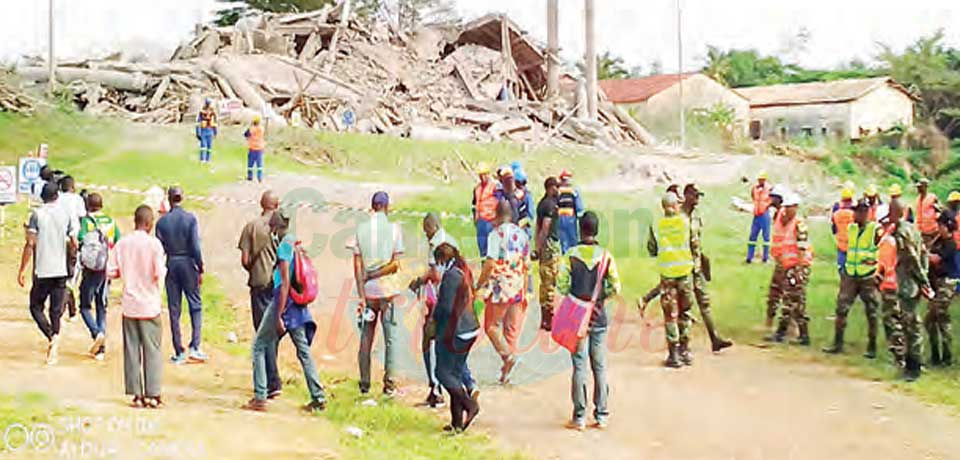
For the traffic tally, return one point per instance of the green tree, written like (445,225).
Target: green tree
(611,67)
(230,15)
(932,70)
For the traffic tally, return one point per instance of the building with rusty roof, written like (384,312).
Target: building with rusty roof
(843,109)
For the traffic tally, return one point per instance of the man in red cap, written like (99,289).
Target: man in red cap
(570,207)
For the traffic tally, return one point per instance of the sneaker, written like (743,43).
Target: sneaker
(99,356)
(256,405)
(315,406)
(178,359)
(577,424)
(97,343)
(274,394)
(197,356)
(601,424)
(53,350)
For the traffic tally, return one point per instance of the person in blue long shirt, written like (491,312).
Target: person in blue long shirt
(570,208)
(281,317)
(179,232)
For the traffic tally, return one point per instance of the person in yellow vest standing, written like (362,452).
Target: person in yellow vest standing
(256,144)
(927,212)
(670,244)
(841,218)
(206,129)
(858,278)
(791,249)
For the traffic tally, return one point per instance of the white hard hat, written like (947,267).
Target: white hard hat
(791,199)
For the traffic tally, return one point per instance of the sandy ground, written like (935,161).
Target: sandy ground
(742,405)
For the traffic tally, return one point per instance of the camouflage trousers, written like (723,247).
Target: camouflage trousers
(937,320)
(549,264)
(775,294)
(893,325)
(676,297)
(912,329)
(867,289)
(793,293)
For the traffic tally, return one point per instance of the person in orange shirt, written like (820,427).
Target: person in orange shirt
(257,144)
(841,218)
(927,212)
(872,195)
(484,207)
(760,193)
(792,252)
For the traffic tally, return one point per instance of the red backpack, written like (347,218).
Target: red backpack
(303,286)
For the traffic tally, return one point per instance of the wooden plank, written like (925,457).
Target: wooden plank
(480,118)
(467,80)
(158,95)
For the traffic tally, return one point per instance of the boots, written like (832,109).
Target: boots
(686,357)
(871,352)
(779,336)
(673,357)
(721,344)
(946,356)
(804,339)
(935,358)
(912,369)
(837,347)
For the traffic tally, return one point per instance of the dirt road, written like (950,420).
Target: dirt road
(743,405)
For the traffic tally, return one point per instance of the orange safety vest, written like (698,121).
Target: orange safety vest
(887,263)
(255,140)
(761,199)
(842,218)
(927,214)
(485,201)
(207,118)
(872,213)
(785,247)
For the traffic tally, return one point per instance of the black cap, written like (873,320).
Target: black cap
(862,205)
(692,188)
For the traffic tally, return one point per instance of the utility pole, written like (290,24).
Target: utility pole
(591,59)
(52,62)
(683,116)
(553,48)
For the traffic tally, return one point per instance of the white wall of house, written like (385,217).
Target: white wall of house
(797,120)
(882,108)
(699,92)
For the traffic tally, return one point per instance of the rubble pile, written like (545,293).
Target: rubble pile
(485,80)
(13,100)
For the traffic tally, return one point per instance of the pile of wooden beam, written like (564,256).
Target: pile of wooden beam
(323,69)
(13,100)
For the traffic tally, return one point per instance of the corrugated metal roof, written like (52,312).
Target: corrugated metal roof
(832,92)
(634,90)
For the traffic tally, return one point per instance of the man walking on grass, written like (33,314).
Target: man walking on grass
(138,260)
(281,317)
(258,255)
(76,207)
(377,247)
(503,285)
(179,232)
(427,286)
(50,232)
(98,235)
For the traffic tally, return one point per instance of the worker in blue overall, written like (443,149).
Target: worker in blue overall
(206,129)
(570,207)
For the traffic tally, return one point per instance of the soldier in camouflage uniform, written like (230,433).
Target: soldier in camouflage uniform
(944,271)
(670,244)
(774,295)
(912,267)
(548,250)
(791,249)
(889,301)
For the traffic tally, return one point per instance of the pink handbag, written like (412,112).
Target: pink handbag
(572,318)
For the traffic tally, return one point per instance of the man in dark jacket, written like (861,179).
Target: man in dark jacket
(179,232)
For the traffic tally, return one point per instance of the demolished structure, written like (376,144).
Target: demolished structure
(485,80)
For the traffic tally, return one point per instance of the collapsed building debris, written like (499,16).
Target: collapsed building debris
(485,80)
(13,100)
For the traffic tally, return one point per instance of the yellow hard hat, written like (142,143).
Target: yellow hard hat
(954,196)
(257,118)
(871,190)
(762,175)
(483,168)
(847,193)
(895,190)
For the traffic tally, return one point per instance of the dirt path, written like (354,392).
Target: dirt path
(743,405)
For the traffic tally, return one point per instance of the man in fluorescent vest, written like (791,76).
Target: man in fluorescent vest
(257,144)
(670,244)
(792,251)
(760,193)
(840,219)
(858,278)
(927,212)
(206,129)
(570,207)
(484,206)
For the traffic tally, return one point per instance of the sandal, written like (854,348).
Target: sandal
(137,402)
(153,402)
